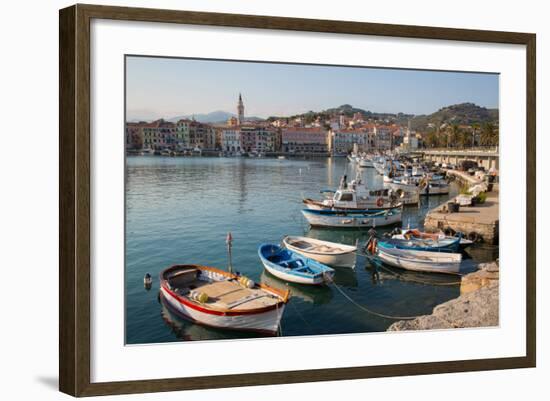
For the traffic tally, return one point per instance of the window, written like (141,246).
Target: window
(346,197)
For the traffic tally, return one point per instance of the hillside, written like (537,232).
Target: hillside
(461,114)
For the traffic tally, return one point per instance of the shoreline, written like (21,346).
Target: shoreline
(476,306)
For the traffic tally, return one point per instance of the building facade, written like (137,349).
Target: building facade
(343,140)
(305,140)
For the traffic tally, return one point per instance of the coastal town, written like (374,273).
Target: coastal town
(313,134)
(339,220)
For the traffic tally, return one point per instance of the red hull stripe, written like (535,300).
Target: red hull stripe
(190,319)
(199,308)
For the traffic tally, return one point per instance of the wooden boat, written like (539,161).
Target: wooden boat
(423,261)
(291,266)
(216,298)
(352,218)
(325,252)
(415,234)
(443,244)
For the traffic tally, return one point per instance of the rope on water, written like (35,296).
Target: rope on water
(363,308)
(299,314)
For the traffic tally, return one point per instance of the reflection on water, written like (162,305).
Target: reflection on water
(179,210)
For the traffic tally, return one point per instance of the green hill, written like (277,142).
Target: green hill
(461,114)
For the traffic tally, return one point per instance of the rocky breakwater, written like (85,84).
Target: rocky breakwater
(477,305)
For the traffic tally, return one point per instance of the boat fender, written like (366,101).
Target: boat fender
(449,232)
(474,237)
(198,296)
(379,202)
(246,282)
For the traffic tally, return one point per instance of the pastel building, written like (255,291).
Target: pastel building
(343,140)
(305,140)
(134,135)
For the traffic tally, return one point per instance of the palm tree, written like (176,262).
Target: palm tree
(454,135)
(489,135)
(475,129)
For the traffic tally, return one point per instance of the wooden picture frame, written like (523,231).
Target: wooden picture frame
(74,199)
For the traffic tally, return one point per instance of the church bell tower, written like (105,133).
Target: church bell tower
(240,111)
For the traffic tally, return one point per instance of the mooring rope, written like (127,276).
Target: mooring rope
(300,315)
(365,309)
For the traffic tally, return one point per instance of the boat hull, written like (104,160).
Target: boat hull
(433,190)
(266,322)
(410,263)
(319,205)
(292,277)
(344,259)
(442,245)
(350,220)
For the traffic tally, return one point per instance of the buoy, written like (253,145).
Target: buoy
(147,281)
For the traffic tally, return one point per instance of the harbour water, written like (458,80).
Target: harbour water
(179,210)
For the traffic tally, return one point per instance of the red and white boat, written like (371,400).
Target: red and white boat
(216,298)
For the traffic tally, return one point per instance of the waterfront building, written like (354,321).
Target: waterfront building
(305,140)
(344,139)
(231,139)
(182,134)
(158,134)
(134,135)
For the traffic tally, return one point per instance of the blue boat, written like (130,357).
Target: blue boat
(293,267)
(446,244)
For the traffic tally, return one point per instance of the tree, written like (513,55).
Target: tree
(453,135)
(475,130)
(489,135)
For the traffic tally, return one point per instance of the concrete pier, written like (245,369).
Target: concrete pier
(486,157)
(480,219)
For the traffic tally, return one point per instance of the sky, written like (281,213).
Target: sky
(169,87)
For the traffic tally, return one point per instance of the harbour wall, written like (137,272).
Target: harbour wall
(477,305)
(486,158)
(479,222)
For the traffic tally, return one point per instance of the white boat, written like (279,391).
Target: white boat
(326,252)
(216,298)
(423,261)
(356,196)
(352,218)
(365,162)
(281,157)
(407,233)
(433,187)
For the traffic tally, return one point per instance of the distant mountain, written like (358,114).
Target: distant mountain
(218,116)
(212,117)
(461,114)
